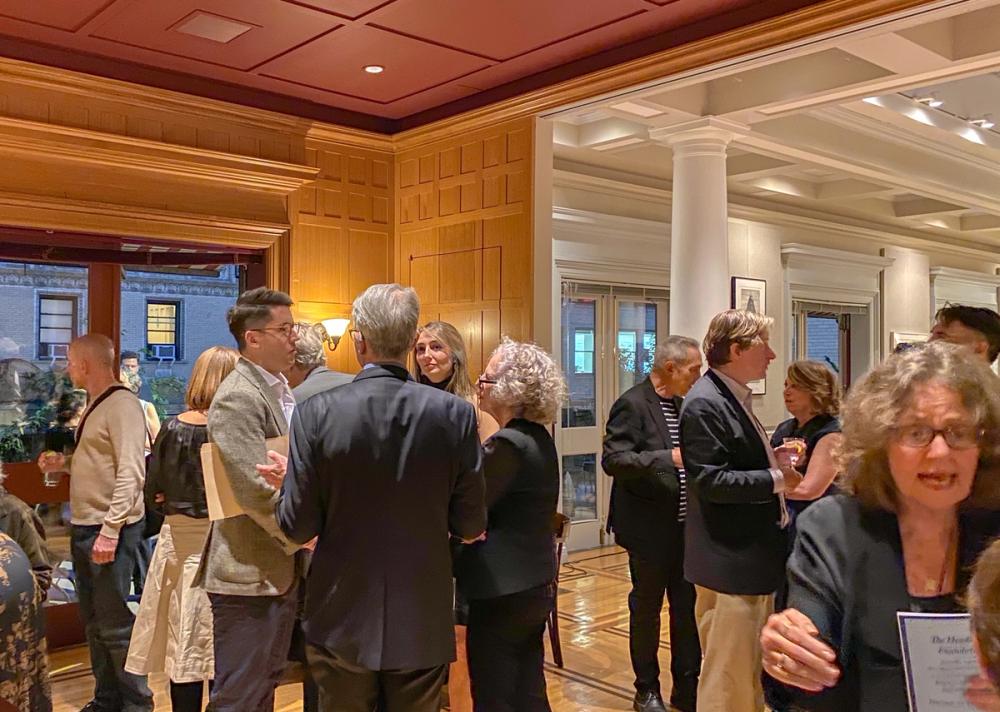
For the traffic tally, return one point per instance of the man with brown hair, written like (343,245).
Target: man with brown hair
(735,538)
(248,567)
(976,328)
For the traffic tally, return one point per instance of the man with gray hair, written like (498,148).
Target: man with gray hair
(648,507)
(309,374)
(382,470)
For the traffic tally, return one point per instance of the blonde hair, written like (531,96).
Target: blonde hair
(819,382)
(210,369)
(733,326)
(529,381)
(983,602)
(461,382)
(873,409)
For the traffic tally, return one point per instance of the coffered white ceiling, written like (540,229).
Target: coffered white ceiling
(307,57)
(835,128)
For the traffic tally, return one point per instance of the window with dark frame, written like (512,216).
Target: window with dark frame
(163,335)
(56,324)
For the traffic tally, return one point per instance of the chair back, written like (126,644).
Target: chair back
(560,529)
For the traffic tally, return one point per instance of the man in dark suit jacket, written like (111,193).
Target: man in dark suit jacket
(648,507)
(736,540)
(309,374)
(382,470)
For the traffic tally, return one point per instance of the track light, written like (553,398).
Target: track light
(931,100)
(985,122)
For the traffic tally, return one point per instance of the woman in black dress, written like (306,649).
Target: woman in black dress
(508,579)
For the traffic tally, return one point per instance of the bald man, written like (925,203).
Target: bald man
(107,471)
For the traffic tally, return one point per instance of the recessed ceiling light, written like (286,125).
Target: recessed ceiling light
(374,68)
(932,101)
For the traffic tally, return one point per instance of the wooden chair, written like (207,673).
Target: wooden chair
(560,528)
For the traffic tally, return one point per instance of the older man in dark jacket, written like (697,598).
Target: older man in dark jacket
(382,470)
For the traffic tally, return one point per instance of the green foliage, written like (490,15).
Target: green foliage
(165,391)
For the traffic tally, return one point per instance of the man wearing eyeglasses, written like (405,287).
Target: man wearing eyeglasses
(248,566)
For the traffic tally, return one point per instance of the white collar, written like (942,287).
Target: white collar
(742,392)
(269,378)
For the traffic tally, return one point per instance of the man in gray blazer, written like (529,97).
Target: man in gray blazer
(248,567)
(309,374)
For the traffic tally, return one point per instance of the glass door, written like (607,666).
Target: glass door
(608,336)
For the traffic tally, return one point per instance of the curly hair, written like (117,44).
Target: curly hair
(529,381)
(983,602)
(819,382)
(874,405)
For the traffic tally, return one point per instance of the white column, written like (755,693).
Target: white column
(699,230)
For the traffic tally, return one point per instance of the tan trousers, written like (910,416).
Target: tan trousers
(729,629)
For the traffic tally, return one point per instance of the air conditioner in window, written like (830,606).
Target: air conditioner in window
(163,352)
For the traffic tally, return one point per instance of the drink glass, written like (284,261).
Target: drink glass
(795,456)
(54,478)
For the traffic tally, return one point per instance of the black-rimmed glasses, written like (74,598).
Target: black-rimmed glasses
(958,437)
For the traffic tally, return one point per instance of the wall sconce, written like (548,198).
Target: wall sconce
(335,329)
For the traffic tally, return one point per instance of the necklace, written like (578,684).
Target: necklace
(932,587)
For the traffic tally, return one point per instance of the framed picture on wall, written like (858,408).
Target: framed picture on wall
(902,339)
(749,294)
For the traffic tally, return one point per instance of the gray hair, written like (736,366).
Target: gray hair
(387,317)
(309,347)
(529,381)
(674,349)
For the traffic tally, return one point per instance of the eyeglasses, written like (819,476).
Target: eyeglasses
(285,330)
(958,437)
(484,380)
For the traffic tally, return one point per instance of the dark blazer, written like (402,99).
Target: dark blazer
(734,542)
(383,470)
(320,379)
(846,574)
(522,492)
(637,454)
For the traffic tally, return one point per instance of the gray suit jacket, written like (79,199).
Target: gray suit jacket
(320,379)
(247,555)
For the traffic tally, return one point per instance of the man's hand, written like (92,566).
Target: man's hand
(104,550)
(51,461)
(676,455)
(981,694)
(481,537)
(273,474)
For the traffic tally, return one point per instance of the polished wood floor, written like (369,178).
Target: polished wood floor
(593,610)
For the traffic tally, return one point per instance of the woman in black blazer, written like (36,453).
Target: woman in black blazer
(920,458)
(508,579)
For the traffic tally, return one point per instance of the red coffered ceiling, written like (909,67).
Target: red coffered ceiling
(307,57)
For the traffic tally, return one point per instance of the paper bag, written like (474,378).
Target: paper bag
(222,503)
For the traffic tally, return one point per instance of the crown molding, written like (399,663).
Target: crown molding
(612,271)
(61,144)
(38,212)
(610,227)
(964,276)
(798,255)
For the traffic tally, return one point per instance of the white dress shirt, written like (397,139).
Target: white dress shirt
(279,386)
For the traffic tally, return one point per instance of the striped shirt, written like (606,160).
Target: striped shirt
(672,417)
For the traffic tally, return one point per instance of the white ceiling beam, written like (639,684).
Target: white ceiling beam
(975,223)
(897,53)
(915,207)
(849,188)
(610,133)
(784,185)
(752,165)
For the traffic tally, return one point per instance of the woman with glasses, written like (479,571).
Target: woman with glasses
(919,466)
(508,579)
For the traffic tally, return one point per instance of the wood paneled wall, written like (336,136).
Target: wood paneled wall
(341,234)
(463,232)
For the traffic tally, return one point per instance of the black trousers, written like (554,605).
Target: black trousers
(652,576)
(252,637)
(506,652)
(344,687)
(103,590)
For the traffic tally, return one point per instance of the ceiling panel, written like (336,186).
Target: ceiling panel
(502,29)
(276,28)
(336,63)
(306,57)
(59,14)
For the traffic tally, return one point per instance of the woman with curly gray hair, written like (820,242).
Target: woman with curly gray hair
(508,579)
(919,466)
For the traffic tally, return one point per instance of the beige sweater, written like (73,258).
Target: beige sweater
(108,467)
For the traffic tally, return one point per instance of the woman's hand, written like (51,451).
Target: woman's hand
(981,694)
(793,653)
(273,474)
